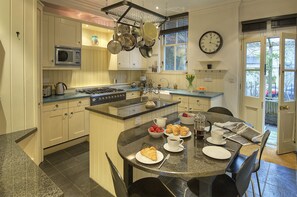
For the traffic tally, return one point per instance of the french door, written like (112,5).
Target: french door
(253,82)
(254,58)
(286,141)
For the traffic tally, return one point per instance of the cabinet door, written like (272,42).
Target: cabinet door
(67,32)
(183,100)
(124,60)
(77,122)
(48,41)
(54,127)
(198,104)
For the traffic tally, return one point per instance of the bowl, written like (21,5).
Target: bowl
(187,120)
(155,134)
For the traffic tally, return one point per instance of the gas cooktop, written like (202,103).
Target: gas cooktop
(100,90)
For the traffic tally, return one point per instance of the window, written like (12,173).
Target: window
(175,41)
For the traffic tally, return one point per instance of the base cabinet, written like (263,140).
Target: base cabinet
(132,94)
(188,103)
(63,121)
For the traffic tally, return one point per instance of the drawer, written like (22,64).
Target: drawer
(79,102)
(54,106)
(183,100)
(134,94)
(199,101)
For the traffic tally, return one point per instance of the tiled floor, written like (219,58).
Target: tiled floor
(272,140)
(69,169)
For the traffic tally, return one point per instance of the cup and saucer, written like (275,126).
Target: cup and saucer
(216,138)
(174,144)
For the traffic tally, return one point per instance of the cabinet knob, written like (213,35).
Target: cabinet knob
(78,42)
(52,61)
(57,105)
(66,114)
(197,101)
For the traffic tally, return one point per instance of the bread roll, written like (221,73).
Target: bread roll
(184,131)
(169,128)
(175,130)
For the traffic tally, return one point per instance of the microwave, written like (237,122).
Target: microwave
(67,56)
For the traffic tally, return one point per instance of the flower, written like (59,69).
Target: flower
(190,78)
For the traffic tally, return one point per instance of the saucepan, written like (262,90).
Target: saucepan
(114,46)
(146,51)
(128,41)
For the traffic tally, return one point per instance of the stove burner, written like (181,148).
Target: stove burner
(100,90)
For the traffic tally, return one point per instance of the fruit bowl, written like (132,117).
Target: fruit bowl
(187,118)
(155,131)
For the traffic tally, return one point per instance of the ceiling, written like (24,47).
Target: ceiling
(92,8)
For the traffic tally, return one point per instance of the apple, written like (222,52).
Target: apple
(185,115)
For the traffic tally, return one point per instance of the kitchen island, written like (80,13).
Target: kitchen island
(107,121)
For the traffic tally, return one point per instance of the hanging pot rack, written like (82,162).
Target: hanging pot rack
(128,13)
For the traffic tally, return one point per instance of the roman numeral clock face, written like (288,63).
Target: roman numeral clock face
(210,42)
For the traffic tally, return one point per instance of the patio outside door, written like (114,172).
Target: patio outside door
(253,82)
(287,95)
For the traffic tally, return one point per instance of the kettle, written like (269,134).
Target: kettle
(60,87)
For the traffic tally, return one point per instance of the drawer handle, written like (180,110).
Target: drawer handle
(79,102)
(197,101)
(57,105)
(71,114)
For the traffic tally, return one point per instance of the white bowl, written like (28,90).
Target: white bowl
(187,120)
(155,134)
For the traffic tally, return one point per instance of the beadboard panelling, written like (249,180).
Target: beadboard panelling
(94,71)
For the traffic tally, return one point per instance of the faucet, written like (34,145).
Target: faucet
(162,79)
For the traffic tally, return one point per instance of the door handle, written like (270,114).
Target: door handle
(284,107)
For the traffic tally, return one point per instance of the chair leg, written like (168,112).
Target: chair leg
(253,187)
(185,192)
(258,184)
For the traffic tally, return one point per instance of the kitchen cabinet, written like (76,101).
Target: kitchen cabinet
(128,60)
(65,120)
(132,94)
(189,103)
(58,31)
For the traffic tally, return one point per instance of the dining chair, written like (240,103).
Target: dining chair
(220,110)
(234,168)
(145,187)
(224,186)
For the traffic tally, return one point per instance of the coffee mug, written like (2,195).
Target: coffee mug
(161,122)
(174,142)
(217,136)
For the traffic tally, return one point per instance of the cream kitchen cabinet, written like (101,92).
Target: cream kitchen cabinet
(63,121)
(67,32)
(128,60)
(132,94)
(58,31)
(189,103)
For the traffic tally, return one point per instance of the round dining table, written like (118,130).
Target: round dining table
(189,163)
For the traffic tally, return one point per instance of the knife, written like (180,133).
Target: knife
(167,157)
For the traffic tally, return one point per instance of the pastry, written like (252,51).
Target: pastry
(175,130)
(169,128)
(150,153)
(184,131)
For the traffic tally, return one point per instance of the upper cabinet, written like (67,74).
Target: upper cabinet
(58,31)
(67,32)
(127,60)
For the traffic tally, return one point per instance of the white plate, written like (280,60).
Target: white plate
(171,134)
(216,152)
(139,157)
(180,148)
(210,140)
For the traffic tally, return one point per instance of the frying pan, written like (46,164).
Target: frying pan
(146,51)
(114,46)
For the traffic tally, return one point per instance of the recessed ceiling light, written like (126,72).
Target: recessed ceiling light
(87,25)
(157,7)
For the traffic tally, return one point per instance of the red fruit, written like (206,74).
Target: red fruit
(155,126)
(152,129)
(185,115)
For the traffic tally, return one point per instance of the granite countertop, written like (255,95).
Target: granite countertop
(129,108)
(19,175)
(195,93)
(66,96)
(190,162)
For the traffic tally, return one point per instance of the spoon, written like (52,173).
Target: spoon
(167,157)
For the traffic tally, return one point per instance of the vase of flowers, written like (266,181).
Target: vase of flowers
(190,79)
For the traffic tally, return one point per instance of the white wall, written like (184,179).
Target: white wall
(18,73)
(226,21)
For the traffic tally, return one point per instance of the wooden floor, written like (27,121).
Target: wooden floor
(269,154)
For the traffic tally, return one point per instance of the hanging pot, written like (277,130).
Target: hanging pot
(149,31)
(128,41)
(114,46)
(150,43)
(146,51)
(123,29)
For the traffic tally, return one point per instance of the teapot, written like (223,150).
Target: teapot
(161,122)
(60,87)
(199,125)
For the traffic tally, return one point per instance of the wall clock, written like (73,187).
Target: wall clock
(210,42)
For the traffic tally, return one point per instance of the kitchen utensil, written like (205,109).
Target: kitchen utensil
(128,41)
(199,125)
(60,87)
(146,51)
(47,90)
(123,29)
(167,157)
(114,46)
(150,43)
(149,31)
